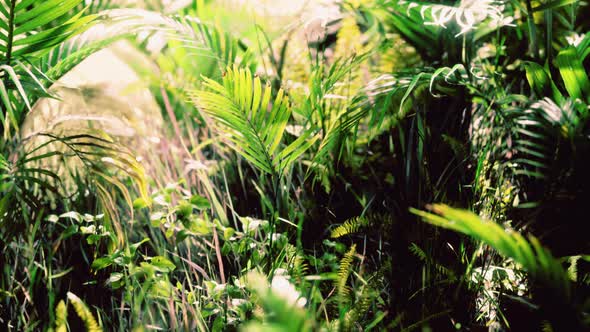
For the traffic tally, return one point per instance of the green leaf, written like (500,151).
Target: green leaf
(162,263)
(553,5)
(140,203)
(101,263)
(541,82)
(534,258)
(133,248)
(573,74)
(200,202)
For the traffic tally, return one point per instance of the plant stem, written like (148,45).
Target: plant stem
(532,30)
(276,182)
(10,32)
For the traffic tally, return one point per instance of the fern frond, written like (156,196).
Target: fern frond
(296,261)
(350,226)
(359,308)
(343,291)
(84,313)
(546,327)
(256,124)
(418,252)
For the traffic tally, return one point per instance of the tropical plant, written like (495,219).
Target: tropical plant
(281,186)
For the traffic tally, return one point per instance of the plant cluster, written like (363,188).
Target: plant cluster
(300,169)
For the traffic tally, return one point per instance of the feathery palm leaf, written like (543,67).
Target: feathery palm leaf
(533,257)
(221,45)
(23,23)
(29,28)
(257,125)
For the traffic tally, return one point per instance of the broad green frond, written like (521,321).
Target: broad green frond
(29,28)
(541,82)
(23,21)
(533,257)
(573,73)
(569,62)
(256,124)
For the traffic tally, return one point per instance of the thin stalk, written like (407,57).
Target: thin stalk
(532,30)
(548,47)
(276,183)
(10,32)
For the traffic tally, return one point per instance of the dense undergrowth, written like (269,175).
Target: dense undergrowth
(298,166)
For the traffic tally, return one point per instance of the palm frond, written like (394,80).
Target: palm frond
(256,124)
(407,20)
(22,184)
(226,49)
(28,29)
(537,132)
(23,23)
(532,256)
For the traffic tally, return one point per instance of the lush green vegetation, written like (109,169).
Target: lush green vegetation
(397,165)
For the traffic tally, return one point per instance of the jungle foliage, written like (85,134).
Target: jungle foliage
(400,166)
